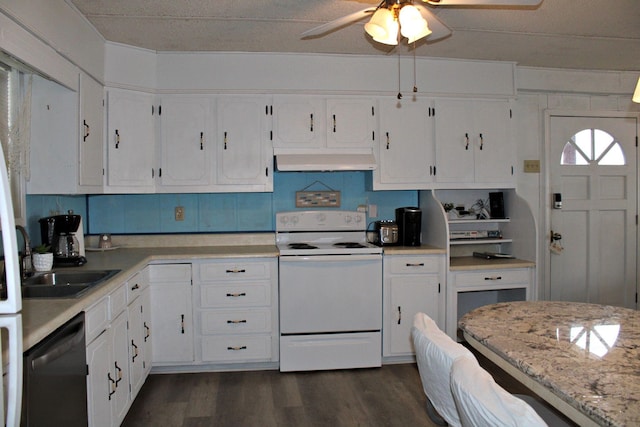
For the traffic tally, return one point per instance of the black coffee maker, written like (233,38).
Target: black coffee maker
(409,220)
(59,232)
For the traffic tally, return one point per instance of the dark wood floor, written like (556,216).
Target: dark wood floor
(387,396)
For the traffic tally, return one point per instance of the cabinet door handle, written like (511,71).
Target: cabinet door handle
(419,264)
(236,270)
(182,323)
(237,294)
(334,123)
(237,348)
(493,278)
(201,140)
(466,137)
(311,122)
(112,385)
(481,141)
(119,373)
(135,351)
(225,140)
(147,331)
(87,131)
(388,140)
(134,287)
(117,139)
(235,322)
(399,315)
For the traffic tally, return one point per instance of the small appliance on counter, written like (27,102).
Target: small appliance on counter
(64,234)
(409,220)
(385,233)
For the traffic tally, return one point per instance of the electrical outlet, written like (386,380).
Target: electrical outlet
(179,213)
(532,166)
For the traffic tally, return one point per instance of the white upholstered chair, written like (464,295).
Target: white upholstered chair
(435,353)
(483,403)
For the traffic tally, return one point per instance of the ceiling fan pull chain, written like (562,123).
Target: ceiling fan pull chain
(415,85)
(399,93)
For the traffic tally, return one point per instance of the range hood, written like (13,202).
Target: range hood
(325,161)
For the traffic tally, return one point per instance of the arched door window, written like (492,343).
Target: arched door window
(592,146)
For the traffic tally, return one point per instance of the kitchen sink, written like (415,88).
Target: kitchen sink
(63,284)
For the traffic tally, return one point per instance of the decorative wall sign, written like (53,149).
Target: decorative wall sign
(318,199)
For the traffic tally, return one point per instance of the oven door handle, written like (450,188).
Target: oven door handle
(330,258)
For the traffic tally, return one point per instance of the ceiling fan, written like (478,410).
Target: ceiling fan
(392,18)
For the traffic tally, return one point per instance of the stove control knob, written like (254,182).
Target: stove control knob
(295,219)
(321,217)
(284,219)
(348,219)
(359,218)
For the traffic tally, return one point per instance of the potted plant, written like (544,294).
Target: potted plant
(42,258)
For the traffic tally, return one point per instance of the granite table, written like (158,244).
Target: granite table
(583,359)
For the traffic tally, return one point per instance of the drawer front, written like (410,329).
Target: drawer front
(235,321)
(118,301)
(169,273)
(135,286)
(226,271)
(492,277)
(243,295)
(236,348)
(96,319)
(413,264)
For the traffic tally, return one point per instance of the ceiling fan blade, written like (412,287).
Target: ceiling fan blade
(483,2)
(438,29)
(338,23)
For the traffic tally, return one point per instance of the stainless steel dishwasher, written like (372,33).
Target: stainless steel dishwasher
(55,378)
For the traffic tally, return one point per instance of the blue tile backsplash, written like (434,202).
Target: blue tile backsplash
(213,212)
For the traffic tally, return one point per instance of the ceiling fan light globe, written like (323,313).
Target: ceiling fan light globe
(383,27)
(420,32)
(636,93)
(412,25)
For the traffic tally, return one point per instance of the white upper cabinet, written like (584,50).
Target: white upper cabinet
(298,121)
(66,152)
(187,142)
(130,141)
(308,122)
(244,151)
(473,143)
(351,122)
(405,146)
(91,135)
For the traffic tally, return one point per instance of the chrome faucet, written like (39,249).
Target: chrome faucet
(25,263)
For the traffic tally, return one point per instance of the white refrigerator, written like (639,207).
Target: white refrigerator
(10,307)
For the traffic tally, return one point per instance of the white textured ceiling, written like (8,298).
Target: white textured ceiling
(580,34)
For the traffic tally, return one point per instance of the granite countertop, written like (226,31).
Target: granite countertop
(585,354)
(40,317)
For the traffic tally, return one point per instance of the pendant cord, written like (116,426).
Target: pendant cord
(415,85)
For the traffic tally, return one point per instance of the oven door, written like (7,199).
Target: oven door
(330,293)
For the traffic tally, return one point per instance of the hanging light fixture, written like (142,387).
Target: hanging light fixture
(636,93)
(393,16)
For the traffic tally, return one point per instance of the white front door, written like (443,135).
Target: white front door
(592,237)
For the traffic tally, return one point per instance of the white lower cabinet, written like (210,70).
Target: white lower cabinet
(471,289)
(115,356)
(236,310)
(412,284)
(172,313)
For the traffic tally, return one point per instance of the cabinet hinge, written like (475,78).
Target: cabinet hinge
(270,135)
(373,135)
(88,364)
(510,113)
(153,110)
(511,170)
(266,171)
(373,111)
(159,172)
(636,140)
(153,173)
(438,287)
(636,297)
(268,110)
(159,110)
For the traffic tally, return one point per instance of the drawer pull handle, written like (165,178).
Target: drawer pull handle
(493,278)
(399,315)
(236,270)
(237,348)
(236,321)
(119,373)
(237,294)
(148,331)
(134,287)
(182,323)
(135,351)
(420,264)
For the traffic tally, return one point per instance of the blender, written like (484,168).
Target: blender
(59,232)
